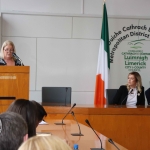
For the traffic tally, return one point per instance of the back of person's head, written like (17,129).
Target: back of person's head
(45,142)
(41,113)
(13,131)
(28,111)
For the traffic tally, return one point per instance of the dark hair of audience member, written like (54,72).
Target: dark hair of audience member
(13,131)
(41,113)
(30,111)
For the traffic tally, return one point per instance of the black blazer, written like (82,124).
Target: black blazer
(3,63)
(122,94)
(147,94)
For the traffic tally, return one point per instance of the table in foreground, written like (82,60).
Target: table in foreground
(89,140)
(129,127)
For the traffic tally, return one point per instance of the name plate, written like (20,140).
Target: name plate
(8,77)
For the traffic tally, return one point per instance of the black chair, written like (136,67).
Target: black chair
(56,96)
(147,94)
(110,93)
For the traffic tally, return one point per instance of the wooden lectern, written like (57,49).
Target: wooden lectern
(14,83)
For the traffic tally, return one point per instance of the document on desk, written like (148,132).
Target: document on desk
(43,122)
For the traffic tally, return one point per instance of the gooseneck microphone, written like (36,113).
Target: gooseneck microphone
(112,142)
(62,123)
(96,135)
(76,134)
(15,56)
(126,96)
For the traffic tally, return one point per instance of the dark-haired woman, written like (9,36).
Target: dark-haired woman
(31,111)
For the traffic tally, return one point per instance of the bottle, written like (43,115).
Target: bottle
(75,147)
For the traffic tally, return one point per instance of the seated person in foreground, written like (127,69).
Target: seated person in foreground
(31,111)
(132,93)
(13,131)
(6,55)
(45,142)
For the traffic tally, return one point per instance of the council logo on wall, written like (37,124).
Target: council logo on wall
(135,59)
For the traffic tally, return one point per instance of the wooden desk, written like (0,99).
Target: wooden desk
(89,140)
(129,127)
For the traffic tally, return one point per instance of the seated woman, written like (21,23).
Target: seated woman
(6,55)
(132,93)
(31,111)
(45,142)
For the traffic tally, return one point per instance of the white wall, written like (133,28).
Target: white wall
(59,40)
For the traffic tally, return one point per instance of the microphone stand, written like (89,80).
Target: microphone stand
(112,142)
(76,134)
(96,135)
(126,96)
(66,115)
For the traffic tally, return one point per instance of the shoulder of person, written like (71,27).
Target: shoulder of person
(2,62)
(18,62)
(142,87)
(123,87)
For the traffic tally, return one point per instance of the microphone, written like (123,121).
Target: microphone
(126,96)
(76,134)
(96,135)
(66,95)
(66,115)
(112,142)
(14,54)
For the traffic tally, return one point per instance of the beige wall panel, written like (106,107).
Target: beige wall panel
(36,26)
(48,6)
(67,63)
(87,28)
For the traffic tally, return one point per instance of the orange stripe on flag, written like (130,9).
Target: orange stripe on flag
(99,98)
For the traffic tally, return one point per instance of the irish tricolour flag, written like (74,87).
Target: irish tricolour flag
(103,63)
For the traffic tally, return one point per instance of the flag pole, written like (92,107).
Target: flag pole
(103,65)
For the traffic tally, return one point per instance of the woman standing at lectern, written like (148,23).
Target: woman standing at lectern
(6,55)
(132,93)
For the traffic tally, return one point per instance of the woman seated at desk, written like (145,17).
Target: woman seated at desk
(132,93)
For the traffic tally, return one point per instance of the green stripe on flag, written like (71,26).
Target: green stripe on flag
(105,33)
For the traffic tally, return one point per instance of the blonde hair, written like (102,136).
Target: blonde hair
(45,142)
(138,81)
(3,46)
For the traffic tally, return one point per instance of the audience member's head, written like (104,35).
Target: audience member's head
(41,113)
(31,111)
(13,131)
(45,142)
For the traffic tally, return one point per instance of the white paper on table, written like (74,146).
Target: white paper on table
(43,122)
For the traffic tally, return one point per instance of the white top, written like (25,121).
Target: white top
(132,97)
